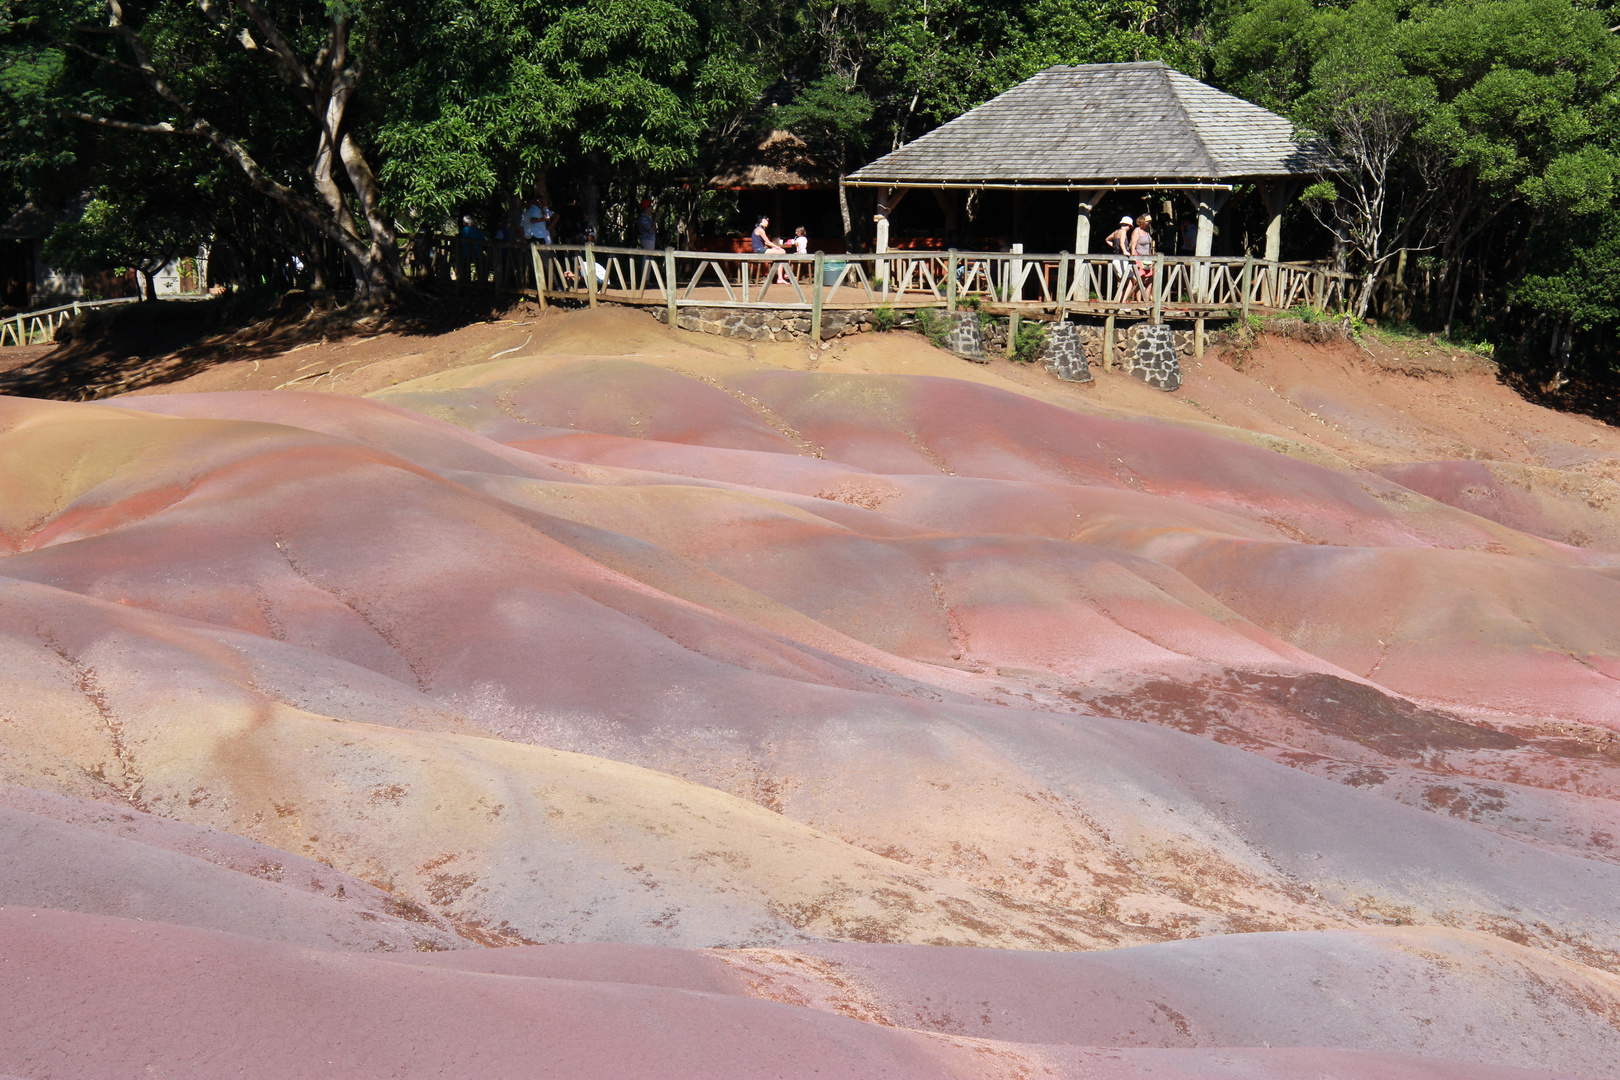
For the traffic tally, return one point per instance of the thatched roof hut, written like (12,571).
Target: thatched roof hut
(779,162)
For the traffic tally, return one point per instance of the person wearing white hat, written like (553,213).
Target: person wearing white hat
(1119,242)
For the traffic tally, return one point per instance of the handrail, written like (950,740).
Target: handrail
(1042,285)
(39,327)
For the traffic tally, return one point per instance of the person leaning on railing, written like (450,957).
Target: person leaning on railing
(1142,249)
(1119,242)
(537,221)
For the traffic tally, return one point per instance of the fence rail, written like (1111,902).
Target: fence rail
(40,327)
(1158,287)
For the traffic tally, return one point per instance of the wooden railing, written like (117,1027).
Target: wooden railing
(40,327)
(1175,287)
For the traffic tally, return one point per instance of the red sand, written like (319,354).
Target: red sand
(650,655)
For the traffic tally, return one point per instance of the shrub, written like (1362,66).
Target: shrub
(885,318)
(1027,346)
(935,325)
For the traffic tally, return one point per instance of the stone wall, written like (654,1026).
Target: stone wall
(765,325)
(1151,353)
(1065,354)
(966,338)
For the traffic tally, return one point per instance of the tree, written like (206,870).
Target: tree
(201,71)
(1364,107)
(831,116)
(115,235)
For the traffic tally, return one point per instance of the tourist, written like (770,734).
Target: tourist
(472,254)
(1189,238)
(646,231)
(1119,243)
(537,222)
(1142,249)
(801,245)
(762,244)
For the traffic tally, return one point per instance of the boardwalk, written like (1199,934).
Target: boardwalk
(1031,285)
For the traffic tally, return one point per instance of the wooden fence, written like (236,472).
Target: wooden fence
(40,327)
(1033,285)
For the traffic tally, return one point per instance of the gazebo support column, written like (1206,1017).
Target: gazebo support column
(1082,222)
(1277,193)
(886,203)
(1209,204)
(947,206)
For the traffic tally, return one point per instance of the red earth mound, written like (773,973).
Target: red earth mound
(726,696)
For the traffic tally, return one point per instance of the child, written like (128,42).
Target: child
(800,243)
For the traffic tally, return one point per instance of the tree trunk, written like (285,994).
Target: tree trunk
(150,293)
(1563,340)
(324,91)
(1368,283)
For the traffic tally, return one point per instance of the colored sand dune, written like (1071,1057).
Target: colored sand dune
(591,717)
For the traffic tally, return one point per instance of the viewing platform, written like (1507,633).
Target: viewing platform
(1032,286)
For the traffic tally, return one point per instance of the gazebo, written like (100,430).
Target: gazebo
(1096,128)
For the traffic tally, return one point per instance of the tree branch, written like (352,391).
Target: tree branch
(125,125)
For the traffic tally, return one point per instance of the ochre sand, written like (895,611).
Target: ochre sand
(1268,729)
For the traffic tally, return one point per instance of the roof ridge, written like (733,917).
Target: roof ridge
(1104,122)
(1192,125)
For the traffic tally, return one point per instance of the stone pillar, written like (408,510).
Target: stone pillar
(966,339)
(1065,354)
(1152,357)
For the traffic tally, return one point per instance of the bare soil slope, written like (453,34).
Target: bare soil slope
(687,698)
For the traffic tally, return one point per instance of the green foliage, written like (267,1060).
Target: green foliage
(935,325)
(1483,136)
(1029,342)
(885,318)
(118,235)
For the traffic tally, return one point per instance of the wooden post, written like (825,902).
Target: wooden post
(1198,339)
(669,282)
(539,274)
(815,299)
(1063,285)
(1248,283)
(950,280)
(1158,289)
(1012,333)
(1082,221)
(590,272)
(1209,204)
(1277,194)
(1015,272)
(1108,343)
(1397,310)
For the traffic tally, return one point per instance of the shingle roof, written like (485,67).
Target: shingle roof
(1103,122)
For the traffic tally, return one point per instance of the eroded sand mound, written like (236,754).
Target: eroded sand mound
(721,664)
